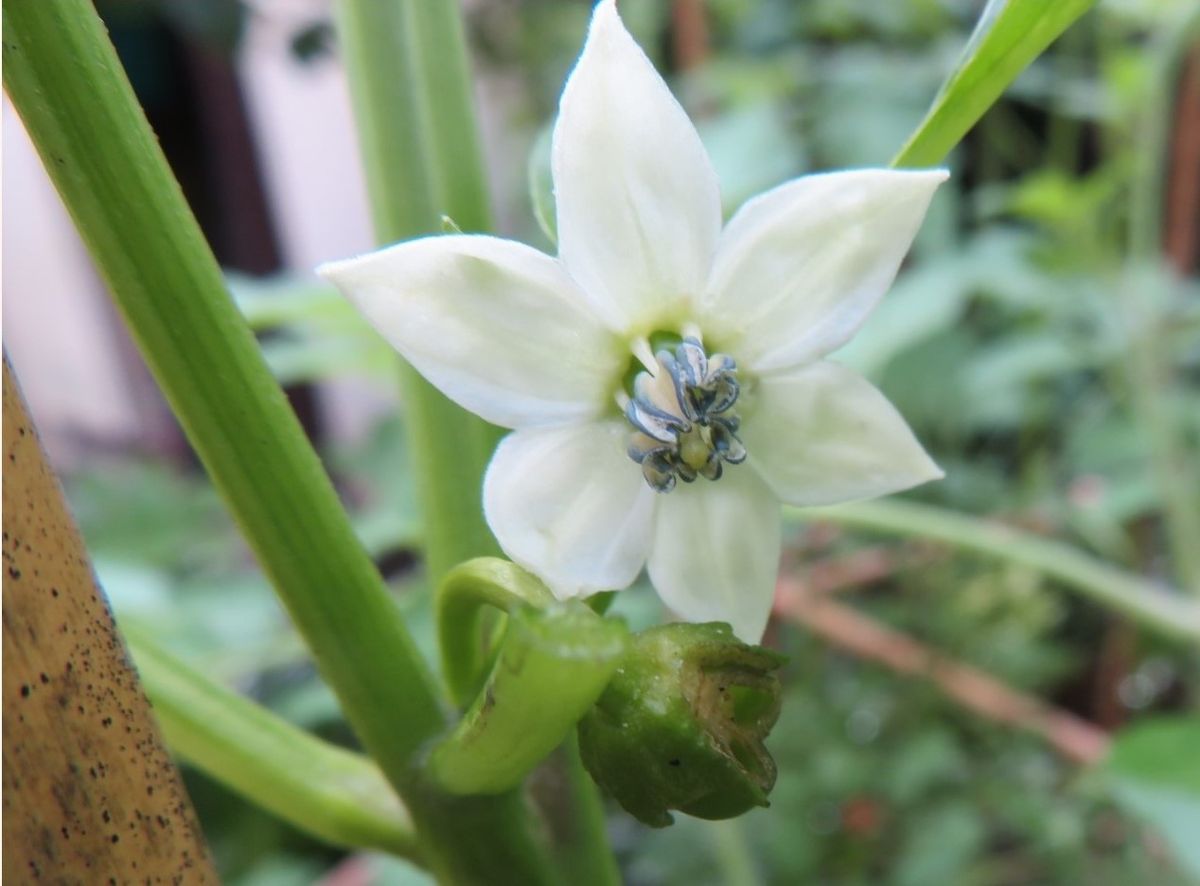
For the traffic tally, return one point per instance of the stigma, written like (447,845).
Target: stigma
(683,417)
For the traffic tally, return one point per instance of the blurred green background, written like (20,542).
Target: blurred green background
(1043,341)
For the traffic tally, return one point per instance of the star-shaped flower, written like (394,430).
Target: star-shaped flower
(665,379)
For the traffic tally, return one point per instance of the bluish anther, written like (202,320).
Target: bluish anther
(683,417)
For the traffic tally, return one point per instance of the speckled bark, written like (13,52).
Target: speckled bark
(90,794)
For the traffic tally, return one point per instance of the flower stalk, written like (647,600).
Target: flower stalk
(551,667)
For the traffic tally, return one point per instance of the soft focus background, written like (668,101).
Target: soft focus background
(1043,341)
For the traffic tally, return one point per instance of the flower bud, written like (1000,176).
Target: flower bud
(682,722)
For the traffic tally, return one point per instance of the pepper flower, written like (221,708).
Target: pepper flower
(665,379)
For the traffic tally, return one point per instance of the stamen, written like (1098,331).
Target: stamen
(681,412)
(644,353)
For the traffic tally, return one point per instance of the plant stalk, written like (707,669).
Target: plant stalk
(1154,607)
(330,792)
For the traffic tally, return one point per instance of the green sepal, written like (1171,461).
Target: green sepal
(682,722)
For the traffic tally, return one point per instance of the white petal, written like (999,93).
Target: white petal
(497,326)
(570,506)
(716,547)
(801,266)
(639,209)
(823,434)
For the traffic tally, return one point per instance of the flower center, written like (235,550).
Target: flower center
(683,418)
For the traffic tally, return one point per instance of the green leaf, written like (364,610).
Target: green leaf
(1010,34)
(332,793)
(1155,772)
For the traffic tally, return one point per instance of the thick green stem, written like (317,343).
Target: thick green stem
(66,82)
(389,69)
(332,793)
(1150,605)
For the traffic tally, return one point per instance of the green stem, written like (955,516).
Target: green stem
(575,817)
(388,68)
(733,855)
(66,82)
(1150,375)
(484,839)
(552,666)
(1147,603)
(463,593)
(327,791)
(448,109)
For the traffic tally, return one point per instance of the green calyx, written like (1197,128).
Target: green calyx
(682,722)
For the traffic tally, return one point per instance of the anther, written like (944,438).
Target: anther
(684,426)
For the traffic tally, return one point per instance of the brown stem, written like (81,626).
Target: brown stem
(689,34)
(90,794)
(975,690)
(1182,234)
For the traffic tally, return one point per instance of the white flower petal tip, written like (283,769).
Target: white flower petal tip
(823,435)
(638,203)
(800,267)
(715,555)
(499,327)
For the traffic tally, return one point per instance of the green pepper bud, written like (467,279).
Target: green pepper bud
(682,722)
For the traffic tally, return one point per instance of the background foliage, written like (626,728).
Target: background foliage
(1048,361)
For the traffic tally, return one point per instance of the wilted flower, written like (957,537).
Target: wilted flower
(664,378)
(681,725)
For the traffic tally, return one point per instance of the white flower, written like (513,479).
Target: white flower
(584,492)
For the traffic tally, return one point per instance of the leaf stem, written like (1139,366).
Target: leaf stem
(327,791)
(1152,606)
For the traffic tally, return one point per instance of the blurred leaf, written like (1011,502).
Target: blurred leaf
(751,150)
(1155,772)
(942,843)
(308,359)
(869,98)
(923,302)
(268,302)
(1010,34)
(541,184)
